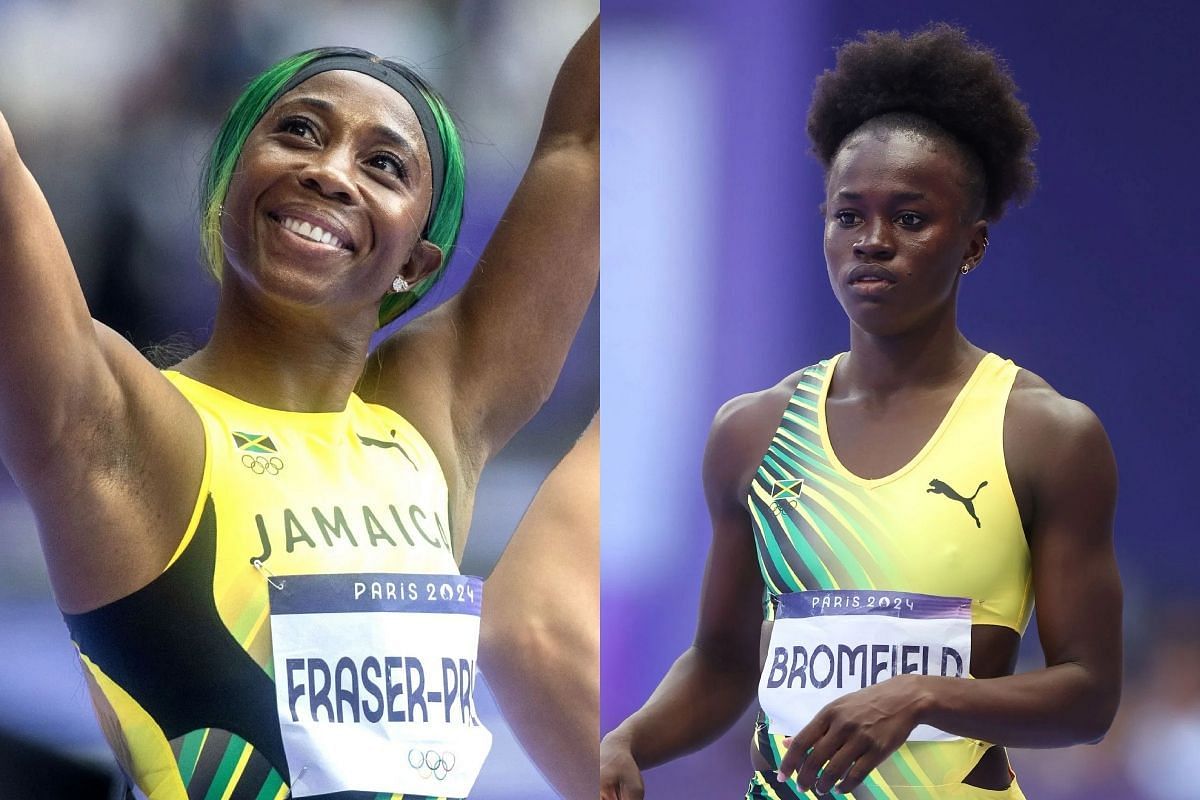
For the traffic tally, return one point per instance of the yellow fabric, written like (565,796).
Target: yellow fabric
(761,789)
(342,492)
(946,523)
(136,739)
(936,546)
(327,502)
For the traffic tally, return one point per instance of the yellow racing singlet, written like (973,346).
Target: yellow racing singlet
(944,524)
(181,671)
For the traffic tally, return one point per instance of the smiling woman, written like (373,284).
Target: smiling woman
(436,131)
(256,552)
(322,132)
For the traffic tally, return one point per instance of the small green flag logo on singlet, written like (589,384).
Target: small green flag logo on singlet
(254,442)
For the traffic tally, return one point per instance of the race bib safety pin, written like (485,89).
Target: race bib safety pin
(270,576)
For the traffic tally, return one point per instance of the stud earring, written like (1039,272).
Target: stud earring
(399,285)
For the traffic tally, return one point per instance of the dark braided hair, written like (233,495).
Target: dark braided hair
(936,83)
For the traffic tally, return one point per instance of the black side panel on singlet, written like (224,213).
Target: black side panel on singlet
(166,646)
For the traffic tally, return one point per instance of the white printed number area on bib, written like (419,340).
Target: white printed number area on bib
(374,681)
(827,644)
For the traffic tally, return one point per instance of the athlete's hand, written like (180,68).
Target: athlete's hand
(620,776)
(853,735)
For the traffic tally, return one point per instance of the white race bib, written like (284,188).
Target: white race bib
(374,681)
(827,644)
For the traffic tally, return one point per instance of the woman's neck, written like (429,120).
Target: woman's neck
(287,361)
(927,356)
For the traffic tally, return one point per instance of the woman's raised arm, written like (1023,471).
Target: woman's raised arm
(501,342)
(50,361)
(82,414)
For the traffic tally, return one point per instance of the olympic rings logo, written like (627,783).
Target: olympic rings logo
(431,763)
(261,464)
(777,506)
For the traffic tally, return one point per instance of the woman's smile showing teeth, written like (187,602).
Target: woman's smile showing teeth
(310,231)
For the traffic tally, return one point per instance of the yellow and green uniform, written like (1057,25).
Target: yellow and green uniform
(181,671)
(945,524)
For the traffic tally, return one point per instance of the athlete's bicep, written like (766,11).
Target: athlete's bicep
(114,505)
(540,641)
(1076,581)
(51,372)
(731,596)
(520,309)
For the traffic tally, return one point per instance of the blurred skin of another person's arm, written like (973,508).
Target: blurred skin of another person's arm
(540,637)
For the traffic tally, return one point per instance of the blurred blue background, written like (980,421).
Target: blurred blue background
(714,285)
(113,104)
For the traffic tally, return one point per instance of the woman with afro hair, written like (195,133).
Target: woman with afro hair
(887,516)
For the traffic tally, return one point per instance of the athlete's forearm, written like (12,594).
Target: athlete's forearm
(1057,706)
(695,703)
(573,109)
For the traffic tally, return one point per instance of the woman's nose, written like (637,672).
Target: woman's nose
(329,173)
(876,242)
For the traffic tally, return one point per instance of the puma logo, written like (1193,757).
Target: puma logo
(943,488)
(369,442)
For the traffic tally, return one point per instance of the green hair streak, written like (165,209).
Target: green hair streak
(445,220)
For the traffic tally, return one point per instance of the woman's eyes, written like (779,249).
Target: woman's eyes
(297,126)
(907,219)
(389,163)
(304,128)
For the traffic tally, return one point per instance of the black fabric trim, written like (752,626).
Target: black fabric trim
(166,646)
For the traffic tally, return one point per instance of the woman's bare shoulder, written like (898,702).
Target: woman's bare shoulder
(741,433)
(1055,447)
(1037,409)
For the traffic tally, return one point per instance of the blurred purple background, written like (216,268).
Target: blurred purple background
(113,104)
(715,285)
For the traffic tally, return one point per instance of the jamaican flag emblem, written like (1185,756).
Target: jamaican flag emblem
(254,442)
(259,453)
(787,490)
(786,494)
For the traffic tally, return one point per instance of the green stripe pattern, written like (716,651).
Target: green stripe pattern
(831,534)
(208,762)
